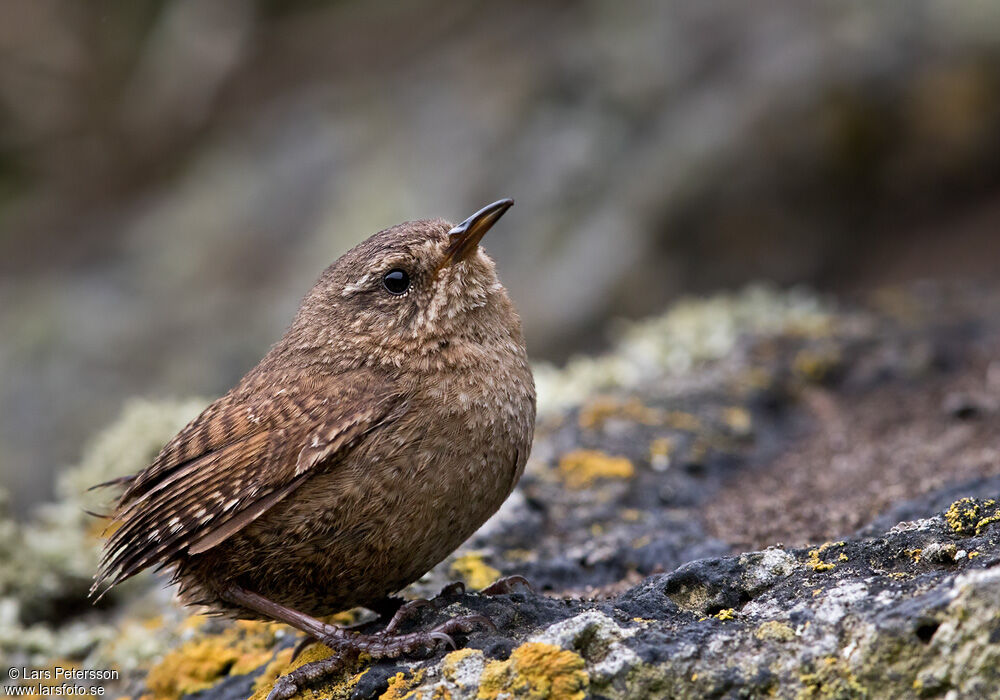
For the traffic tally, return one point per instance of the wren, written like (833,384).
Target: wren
(391,420)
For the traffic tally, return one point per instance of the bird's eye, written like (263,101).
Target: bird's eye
(396,281)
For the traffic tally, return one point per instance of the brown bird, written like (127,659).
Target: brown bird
(391,420)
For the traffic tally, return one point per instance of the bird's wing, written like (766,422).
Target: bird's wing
(232,463)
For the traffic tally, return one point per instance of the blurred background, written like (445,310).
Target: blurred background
(174,174)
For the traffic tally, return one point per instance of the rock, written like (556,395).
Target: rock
(629,524)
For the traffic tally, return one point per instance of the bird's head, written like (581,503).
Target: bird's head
(419,292)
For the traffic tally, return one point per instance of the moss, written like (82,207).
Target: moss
(970,516)
(581,469)
(536,671)
(774,631)
(475,572)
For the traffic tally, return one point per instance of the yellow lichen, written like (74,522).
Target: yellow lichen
(815,563)
(200,663)
(816,365)
(738,419)
(344,618)
(594,414)
(640,542)
(842,557)
(338,688)
(680,420)
(632,515)
(475,572)
(522,555)
(830,677)
(775,631)
(580,469)
(969,516)
(726,614)
(536,671)
(660,450)
(913,554)
(400,686)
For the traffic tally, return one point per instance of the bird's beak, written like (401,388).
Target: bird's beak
(464,238)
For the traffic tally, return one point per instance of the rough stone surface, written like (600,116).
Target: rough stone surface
(806,512)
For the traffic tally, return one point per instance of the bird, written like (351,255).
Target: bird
(389,422)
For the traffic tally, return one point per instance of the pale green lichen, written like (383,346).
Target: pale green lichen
(690,333)
(47,562)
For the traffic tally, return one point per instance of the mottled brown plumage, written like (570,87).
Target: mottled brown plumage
(375,437)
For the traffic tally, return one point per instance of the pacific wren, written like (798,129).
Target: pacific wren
(391,420)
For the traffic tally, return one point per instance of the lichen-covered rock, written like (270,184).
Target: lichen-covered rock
(800,512)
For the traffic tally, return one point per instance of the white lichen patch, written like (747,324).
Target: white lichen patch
(837,600)
(763,569)
(597,639)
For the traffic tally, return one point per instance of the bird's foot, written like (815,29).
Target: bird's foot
(308,674)
(346,645)
(386,644)
(390,645)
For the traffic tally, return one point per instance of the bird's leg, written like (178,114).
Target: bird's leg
(386,607)
(344,642)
